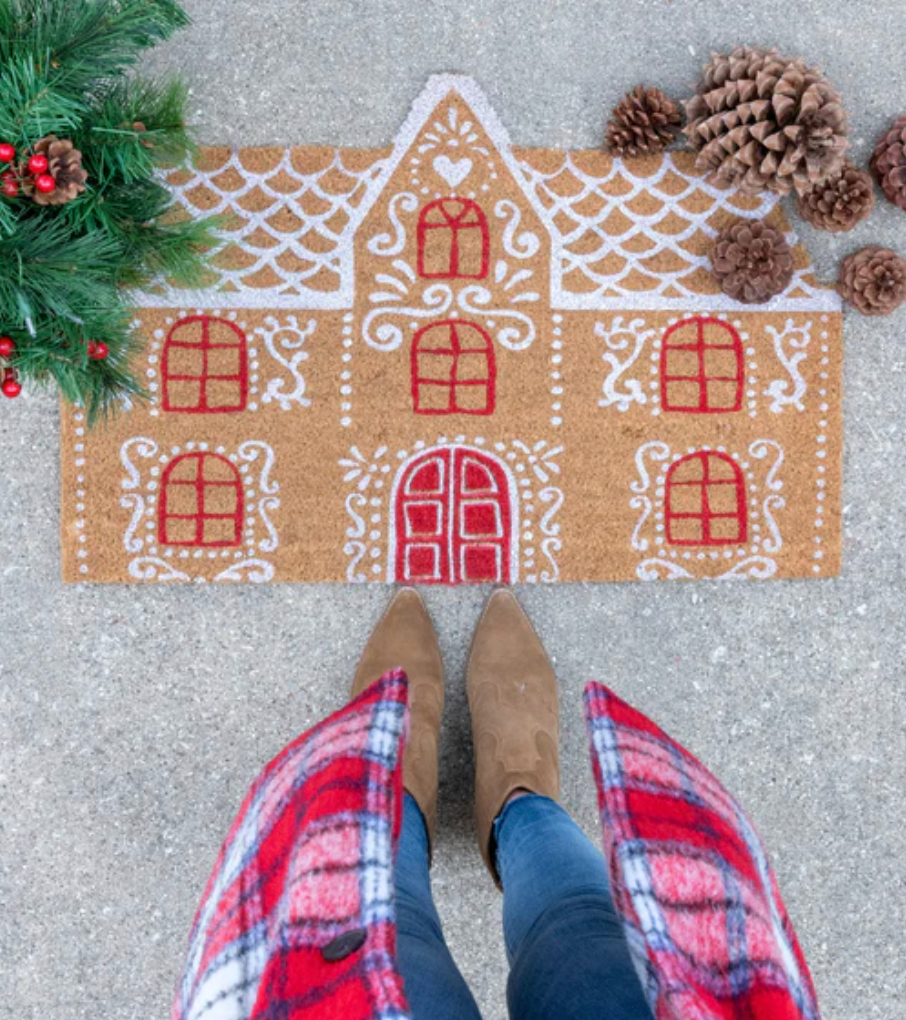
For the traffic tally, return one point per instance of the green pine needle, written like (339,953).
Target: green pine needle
(68,273)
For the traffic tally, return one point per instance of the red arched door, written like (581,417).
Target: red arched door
(453,519)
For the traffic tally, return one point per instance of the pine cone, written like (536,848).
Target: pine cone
(840,202)
(644,121)
(65,166)
(889,163)
(761,121)
(752,261)
(873,280)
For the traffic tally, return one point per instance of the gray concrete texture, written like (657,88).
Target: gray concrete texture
(133,719)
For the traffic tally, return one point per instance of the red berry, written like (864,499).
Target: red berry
(38,164)
(7,152)
(98,350)
(45,183)
(8,175)
(7,346)
(11,387)
(10,188)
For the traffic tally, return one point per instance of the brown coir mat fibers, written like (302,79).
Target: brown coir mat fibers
(455,360)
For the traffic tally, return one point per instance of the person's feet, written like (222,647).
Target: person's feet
(405,638)
(515,718)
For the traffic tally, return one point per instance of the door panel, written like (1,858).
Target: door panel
(453,520)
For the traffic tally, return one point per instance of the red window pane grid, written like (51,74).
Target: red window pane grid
(453,369)
(706,501)
(204,367)
(702,367)
(201,502)
(453,240)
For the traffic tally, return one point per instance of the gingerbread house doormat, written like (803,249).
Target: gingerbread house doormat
(456,360)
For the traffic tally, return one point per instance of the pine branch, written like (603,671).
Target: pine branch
(169,252)
(30,106)
(67,271)
(87,42)
(57,357)
(8,218)
(137,126)
(43,269)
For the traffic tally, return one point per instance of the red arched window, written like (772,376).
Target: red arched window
(453,369)
(453,519)
(204,367)
(706,501)
(702,367)
(453,241)
(201,502)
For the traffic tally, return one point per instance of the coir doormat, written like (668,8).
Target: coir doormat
(457,360)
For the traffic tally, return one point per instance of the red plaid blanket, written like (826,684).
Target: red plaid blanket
(699,900)
(296,922)
(297,919)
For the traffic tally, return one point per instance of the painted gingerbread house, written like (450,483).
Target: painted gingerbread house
(456,360)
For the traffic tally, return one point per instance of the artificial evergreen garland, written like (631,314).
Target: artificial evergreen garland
(83,218)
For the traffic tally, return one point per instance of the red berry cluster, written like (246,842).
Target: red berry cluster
(37,167)
(10,387)
(97,350)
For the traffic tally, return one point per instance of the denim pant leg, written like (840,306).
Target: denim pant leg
(569,959)
(432,983)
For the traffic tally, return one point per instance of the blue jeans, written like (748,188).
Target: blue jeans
(564,941)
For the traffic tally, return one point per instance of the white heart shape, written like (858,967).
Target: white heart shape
(453,173)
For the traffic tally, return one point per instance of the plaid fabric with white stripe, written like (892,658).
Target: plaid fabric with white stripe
(700,902)
(308,858)
(701,906)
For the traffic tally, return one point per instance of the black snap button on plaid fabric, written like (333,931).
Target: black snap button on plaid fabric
(344,945)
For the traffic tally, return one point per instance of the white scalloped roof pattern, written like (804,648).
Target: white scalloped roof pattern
(623,235)
(638,233)
(290,218)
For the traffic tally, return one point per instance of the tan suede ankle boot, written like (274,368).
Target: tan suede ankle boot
(515,717)
(405,638)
